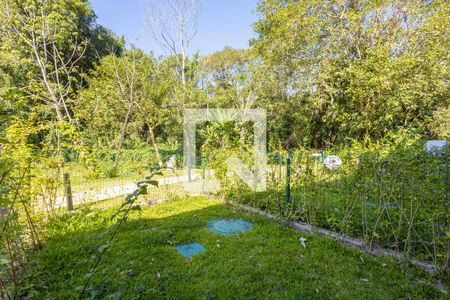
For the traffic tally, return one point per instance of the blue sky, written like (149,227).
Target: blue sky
(221,23)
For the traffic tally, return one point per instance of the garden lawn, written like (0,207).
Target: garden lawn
(266,262)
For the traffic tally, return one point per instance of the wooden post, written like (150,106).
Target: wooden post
(68,191)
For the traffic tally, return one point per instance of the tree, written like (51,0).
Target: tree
(126,96)
(356,68)
(157,106)
(440,124)
(227,79)
(108,104)
(48,37)
(173,24)
(47,44)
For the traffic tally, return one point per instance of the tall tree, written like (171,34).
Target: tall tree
(48,37)
(46,45)
(156,110)
(173,24)
(126,96)
(226,77)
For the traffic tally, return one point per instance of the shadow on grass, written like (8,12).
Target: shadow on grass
(266,262)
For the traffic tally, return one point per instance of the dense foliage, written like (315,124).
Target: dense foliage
(327,71)
(358,68)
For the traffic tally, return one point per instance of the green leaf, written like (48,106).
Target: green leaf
(136,207)
(129,197)
(114,215)
(111,228)
(153,174)
(153,182)
(88,276)
(79,288)
(143,190)
(4,260)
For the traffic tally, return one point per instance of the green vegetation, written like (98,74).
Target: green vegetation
(365,79)
(267,261)
(352,69)
(390,196)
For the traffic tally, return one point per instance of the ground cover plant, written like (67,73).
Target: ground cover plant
(142,262)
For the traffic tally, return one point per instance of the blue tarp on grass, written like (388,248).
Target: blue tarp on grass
(189,250)
(229,226)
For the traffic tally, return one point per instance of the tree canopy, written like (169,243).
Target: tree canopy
(327,71)
(361,68)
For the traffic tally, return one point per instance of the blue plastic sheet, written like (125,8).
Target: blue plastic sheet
(189,250)
(229,226)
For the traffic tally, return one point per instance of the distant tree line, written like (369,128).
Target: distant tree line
(328,72)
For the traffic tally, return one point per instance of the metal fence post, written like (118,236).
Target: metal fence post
(68,191)
(322,156)
(288,178)
(446,203)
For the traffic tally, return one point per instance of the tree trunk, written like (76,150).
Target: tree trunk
(59,114)
(183,56)
(183,67)
(122,135)
(151,138)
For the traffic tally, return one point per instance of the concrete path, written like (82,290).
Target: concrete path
(109,192)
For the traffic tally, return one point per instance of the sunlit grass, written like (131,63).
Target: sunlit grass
(266,262)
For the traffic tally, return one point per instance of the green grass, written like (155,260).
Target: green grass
(266,262)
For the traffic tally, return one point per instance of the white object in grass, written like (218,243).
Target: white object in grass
(332,162)
(303,242)
(172,162)
(436,147)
